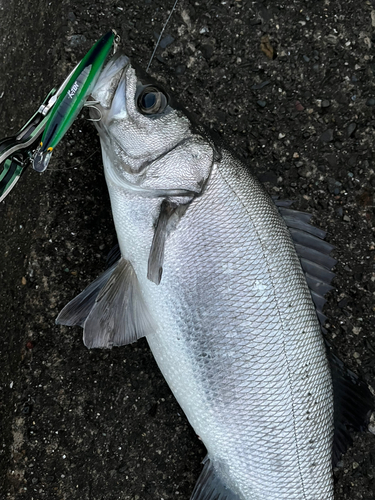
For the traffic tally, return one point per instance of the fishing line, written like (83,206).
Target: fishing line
(56,169)
(161,34)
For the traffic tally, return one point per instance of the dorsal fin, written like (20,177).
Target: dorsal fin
(313,253)
(352,398)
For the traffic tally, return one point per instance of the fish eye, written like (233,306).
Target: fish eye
(151,101)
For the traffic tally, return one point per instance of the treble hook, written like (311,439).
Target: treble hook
(92,104)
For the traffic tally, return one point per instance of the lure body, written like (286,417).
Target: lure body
(72,99)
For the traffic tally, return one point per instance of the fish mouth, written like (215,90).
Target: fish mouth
(109,80)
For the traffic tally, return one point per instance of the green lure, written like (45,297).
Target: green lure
(72,99)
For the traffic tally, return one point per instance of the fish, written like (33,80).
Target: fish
(227,285)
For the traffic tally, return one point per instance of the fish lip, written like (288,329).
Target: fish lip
(111,76)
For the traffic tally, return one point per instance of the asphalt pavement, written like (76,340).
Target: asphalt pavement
(291,87)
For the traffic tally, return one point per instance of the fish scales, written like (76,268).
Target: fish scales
(239,343)
(210,275)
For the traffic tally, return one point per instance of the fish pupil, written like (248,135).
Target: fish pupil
(148,100)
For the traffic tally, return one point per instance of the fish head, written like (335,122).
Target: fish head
(149,144)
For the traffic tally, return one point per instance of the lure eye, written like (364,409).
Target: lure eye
(151,101)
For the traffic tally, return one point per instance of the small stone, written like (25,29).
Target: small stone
(262,104)
(77,40)
(281,135)
(268,176)
(332,39)
(23,280)
(207,50)
(305,172)
(180,69)
(306,58)
(351,128)
(165,41)
(260,85)
(370,102)
(346,218)
(327,135)
(295,155)
(26,410)
(71,16)
(355,465)
(325,103)
(357,330)
(299,106)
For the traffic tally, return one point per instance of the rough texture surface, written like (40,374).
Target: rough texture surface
(79,424)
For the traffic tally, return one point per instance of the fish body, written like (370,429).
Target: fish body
(209,274)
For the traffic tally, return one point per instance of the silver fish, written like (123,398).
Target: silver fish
(209,273)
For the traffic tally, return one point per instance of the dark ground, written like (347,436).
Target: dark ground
(79,424)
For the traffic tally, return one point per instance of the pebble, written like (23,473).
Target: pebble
(262,104)
(327,135)
(351,128)
(167,40)
(258,86)
(370,102)
(325,103)
(299,106)
(281,135)
(305,172)
(346,218)
(180,69)
(207,50)
(268,176)
(77,40)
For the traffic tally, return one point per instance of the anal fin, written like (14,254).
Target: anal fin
(352,402)
(210,485)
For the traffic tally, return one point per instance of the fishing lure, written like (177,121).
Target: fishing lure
(54,116)
(72,99)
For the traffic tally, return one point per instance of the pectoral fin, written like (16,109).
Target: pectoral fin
(116,314)
(170,213)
